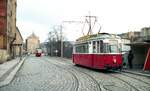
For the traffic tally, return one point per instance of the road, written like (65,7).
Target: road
(56,74)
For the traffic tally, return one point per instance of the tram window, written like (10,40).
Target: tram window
(98,47)
(101,46)
(113,48)
(105,48)
(94,46)
(82,48)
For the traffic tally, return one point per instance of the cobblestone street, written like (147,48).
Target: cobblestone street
(55,74)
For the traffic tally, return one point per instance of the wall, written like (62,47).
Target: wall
(3,23)
(140,53)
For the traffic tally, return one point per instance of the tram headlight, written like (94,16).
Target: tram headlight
(115,61)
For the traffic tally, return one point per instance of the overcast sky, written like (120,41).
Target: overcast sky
(115,16)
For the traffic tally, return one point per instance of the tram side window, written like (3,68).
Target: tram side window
(105,48)
(77,49)
(98,47)
(83,48)
(101,46)
(94,46)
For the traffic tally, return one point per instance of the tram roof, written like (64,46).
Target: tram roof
(97,36)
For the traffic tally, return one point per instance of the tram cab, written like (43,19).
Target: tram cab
(99,51)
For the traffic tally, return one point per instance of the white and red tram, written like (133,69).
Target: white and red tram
(98,51)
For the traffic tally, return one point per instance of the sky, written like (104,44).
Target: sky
(114,16)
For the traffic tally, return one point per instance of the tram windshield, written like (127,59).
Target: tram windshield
(113,48)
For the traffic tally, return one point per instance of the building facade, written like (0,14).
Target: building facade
(132,36)
(32,42)
(145,34)
(145,31)
(7,25)
(18,44)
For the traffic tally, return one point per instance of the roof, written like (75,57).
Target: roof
(97,36)
(33,36)
(19,32)
(139,44)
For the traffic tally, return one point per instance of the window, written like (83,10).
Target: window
(113,48)
(94,46)
(101,46)
(98,47)
(82,48)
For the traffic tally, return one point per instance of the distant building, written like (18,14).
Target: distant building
(132,36)
(145,34)
(145,31)
(32,42)
(7,26)
(124,35)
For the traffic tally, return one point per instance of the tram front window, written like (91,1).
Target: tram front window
(113,49)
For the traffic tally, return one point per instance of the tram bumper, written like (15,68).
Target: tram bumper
(114,66)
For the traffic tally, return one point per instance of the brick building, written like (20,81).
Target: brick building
(7,26)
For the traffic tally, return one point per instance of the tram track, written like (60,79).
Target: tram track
(136,77)
(94,80)
(76,82)
(132,87)
(126,84)
(137,84)
(102,83)
(75,72)
(102,88)
(129,75)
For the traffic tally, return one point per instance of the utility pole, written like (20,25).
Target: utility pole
(61,39)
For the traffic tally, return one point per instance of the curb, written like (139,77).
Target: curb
(7,72)
(136,73)
(12,73)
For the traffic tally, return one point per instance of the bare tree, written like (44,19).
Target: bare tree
(55,38)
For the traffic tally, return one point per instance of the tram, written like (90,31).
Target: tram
(38,52)
(98,51)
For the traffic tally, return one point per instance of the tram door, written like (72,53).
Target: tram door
(90,47)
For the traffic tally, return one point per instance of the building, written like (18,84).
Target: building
(32,42)
(18,44)
(145,34)
(140,51)
(7,26)
(68,49)
(124,35)
(132,36)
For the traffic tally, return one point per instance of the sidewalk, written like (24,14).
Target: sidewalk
(137,72)
(9,69)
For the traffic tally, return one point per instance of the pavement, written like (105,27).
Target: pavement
(140,72)
(9,69)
